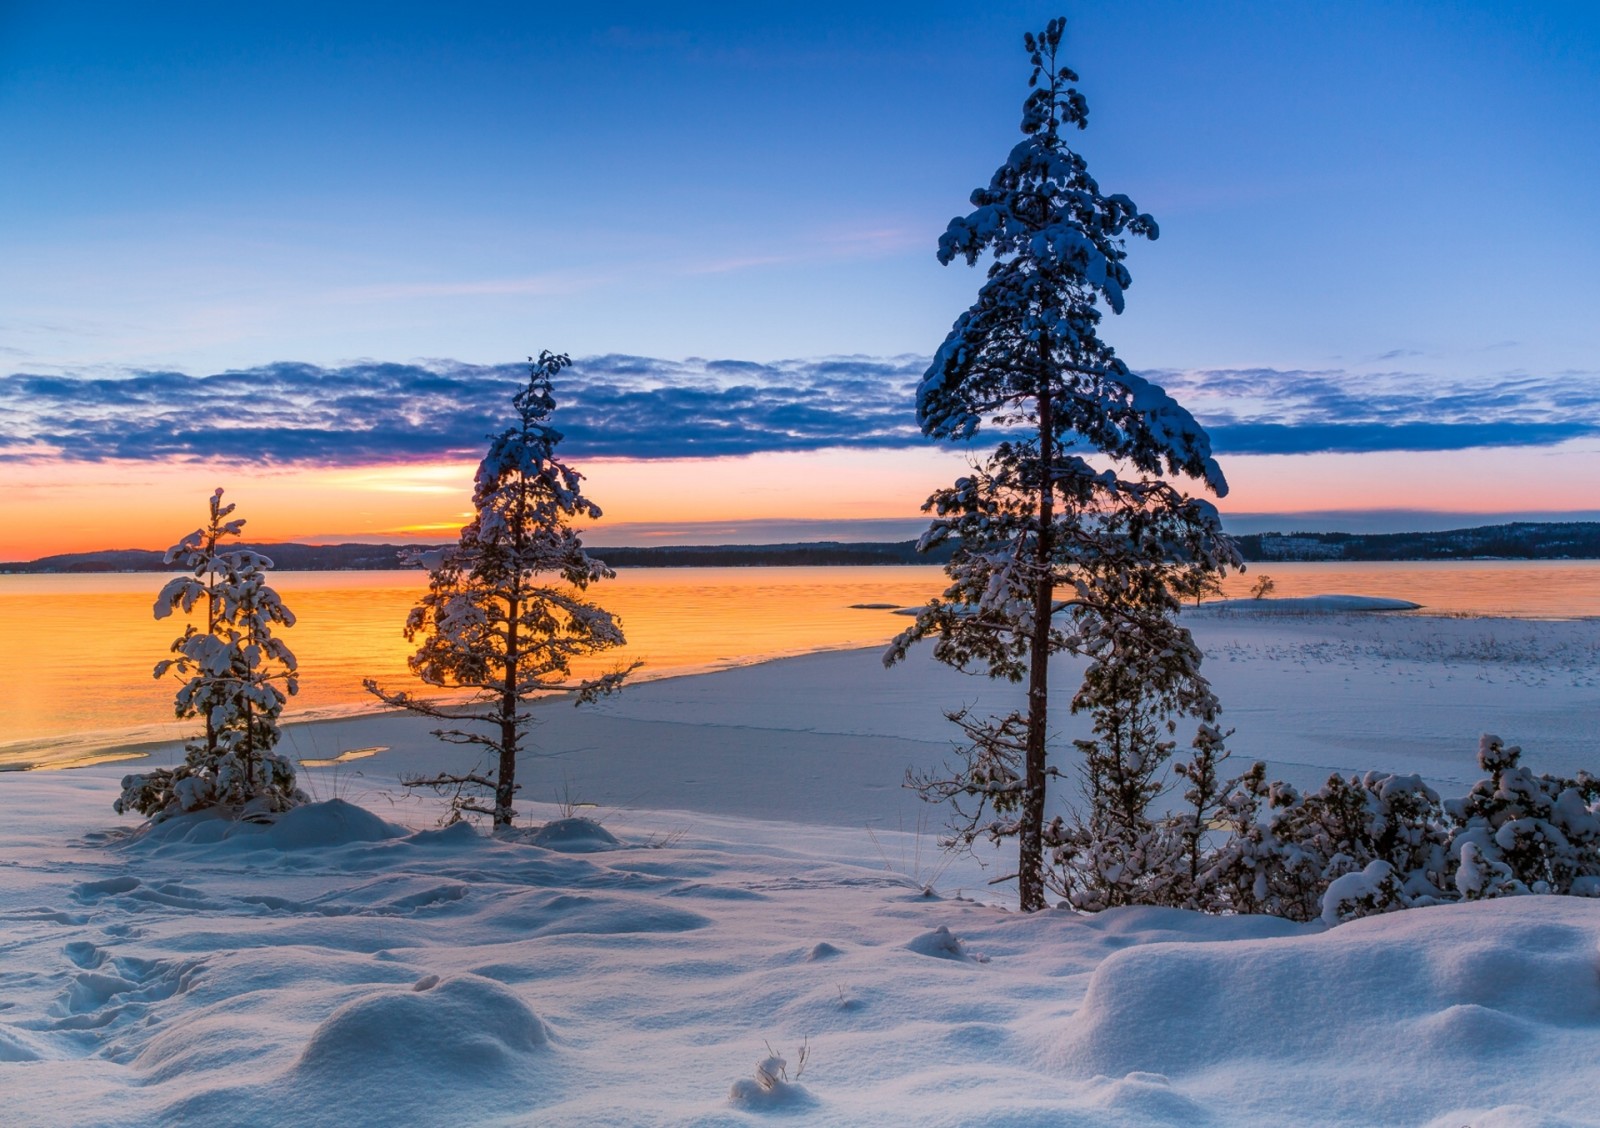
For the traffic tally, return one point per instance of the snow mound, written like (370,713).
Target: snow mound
(574,836)
(941,944)
(324,825)
(312,826)
(435,1033)
(16,1046)
(770,1089)
(1501,1116)
(1149,1098)
(1387,998)
(458,836)
(1314,604)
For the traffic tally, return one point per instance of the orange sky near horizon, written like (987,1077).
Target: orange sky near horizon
(48,508)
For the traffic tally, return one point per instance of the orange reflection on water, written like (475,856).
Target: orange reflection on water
(1518,589)
(79,649)
(76,651)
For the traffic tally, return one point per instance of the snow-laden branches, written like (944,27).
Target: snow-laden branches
(235,675)
(1054,554)
(505,613)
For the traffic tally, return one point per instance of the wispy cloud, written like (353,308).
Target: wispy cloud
(372,412)
(820,245)
(537,284)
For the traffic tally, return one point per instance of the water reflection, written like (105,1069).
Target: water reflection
(76,651)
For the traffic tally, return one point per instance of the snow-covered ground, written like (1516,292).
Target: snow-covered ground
(760,884)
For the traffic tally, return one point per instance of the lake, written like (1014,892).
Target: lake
(76,651)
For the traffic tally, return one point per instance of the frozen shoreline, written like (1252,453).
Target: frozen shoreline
(1308,694)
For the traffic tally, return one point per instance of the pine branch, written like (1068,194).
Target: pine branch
(439,782)
(421,705)
(458,736)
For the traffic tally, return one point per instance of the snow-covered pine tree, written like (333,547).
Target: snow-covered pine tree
(1054,554)
(504,614)
(237,677)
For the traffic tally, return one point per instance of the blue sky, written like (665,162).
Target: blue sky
(1379,222)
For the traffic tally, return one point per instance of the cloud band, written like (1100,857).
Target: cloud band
(639,407)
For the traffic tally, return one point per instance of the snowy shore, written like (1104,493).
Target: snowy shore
(759,880)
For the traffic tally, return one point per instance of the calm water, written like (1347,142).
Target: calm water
(76,652)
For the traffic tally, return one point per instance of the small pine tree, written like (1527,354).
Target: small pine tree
(1055,555)
(237,678)
(504,613)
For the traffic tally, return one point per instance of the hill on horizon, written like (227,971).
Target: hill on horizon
(1522,540)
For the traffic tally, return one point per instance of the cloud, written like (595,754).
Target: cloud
(1365,438)
(370,412)
(1304,411)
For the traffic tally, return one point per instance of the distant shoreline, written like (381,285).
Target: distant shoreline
(1574,540)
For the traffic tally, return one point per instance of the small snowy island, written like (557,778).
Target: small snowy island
(1311,604)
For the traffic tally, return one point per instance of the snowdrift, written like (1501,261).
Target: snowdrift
(339,969)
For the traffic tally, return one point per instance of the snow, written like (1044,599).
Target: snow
(1410,1017)
(752,883)
(1312,604)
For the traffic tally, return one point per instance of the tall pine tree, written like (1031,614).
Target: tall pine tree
(1056,554)
(504,614)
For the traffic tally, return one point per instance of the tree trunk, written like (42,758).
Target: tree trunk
(212,617)
(505,780)
(1030,851)
(249,752)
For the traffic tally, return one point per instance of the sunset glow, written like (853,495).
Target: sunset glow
(53,508)
(330,331)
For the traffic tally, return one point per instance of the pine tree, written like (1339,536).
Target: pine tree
(504,614)
(237,678)
(1055,554)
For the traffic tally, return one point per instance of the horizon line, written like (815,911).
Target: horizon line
(894,529)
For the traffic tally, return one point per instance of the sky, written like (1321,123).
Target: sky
(300,250)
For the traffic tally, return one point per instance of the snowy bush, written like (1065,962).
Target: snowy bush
(1521,833)
(1360,846)
(1354,847)
(1284,859)
(236,678)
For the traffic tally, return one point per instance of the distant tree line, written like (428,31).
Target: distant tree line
(1522,540)
(1526,540)
(378,557)
(774,555)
